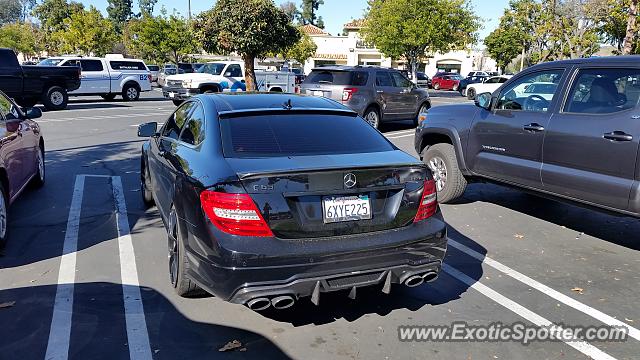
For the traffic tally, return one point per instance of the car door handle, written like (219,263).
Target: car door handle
(534,127)
(618,136)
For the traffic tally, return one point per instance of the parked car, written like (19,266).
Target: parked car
(263,208)
(446,81)
(29,85)
(579,143)
(464,83)
(224,76)
(489,85)
(155,71)
(377,94)
(21,156)
(167,69)
(107,77)
(423,80)
(478,73)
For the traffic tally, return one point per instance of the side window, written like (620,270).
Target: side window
(71,63)
(175,123)
(234,70)
(492,80)
(359,78)
(604,91)
(383,79)
(8,111)
(400,80)
(515,96)
(193,132)
(91,65)
(503,80)
(127,65)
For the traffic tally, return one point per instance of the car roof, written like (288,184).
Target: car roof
(602,60)
(350,68)
(243,102)
(71,57)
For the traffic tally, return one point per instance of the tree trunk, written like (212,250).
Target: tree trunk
(627,47)
(249,72)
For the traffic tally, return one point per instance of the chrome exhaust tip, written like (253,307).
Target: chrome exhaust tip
(430,276)
(413,281)
(258,304)
(282,302)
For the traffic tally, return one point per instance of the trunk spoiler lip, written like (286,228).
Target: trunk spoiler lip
(285,110)
(249,175)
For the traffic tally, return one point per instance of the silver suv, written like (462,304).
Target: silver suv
(377,94)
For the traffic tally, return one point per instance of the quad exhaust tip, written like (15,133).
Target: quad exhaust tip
(413,281)
(430,276)
(259,304)
(282,302)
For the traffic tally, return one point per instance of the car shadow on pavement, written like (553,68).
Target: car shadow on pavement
(99,328)
(371,300)
(616,229)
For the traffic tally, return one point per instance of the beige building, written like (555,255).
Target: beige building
(350,49)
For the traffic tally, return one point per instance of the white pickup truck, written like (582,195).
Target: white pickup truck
(224,76)
(107,77)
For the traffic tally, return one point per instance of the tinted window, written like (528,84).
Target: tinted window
(71,63)
(360,78)
(127,65)
(299,135)
(516,97)
(175,123)
(49,62)
(332,77)
(234,70)
(91,65)
(604,91)
(493,80)
(153,67)
(212,68)
(193,132)
(422,76)
(400,80)
(383,78)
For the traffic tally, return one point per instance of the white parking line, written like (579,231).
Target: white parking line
(596,314)
(137,334)
(392,133)
(104,117)
(400,136)
(60,331)
(527,314)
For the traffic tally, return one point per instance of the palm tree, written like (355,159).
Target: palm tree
(629,39)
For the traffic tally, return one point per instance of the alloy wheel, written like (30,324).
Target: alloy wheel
(3,217)
(132,93)
(439,170)
(373,119)
(173,249)
(57,98)
(40,161)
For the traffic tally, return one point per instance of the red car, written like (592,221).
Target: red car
(446,81)
(21,156)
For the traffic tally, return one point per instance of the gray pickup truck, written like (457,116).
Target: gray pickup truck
(28,85)
(568,129)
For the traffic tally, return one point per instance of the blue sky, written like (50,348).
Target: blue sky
(334,12)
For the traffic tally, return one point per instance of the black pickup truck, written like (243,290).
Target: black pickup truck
(28,85)
(567,130)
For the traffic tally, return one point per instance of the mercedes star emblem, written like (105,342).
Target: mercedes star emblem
(349,180)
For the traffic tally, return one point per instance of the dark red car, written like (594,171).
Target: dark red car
(21,156)
(446,81)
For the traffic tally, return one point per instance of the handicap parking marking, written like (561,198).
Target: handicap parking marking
(61,323)
(582,346)
(594,313)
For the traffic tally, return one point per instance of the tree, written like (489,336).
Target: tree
(290,8)
(631,33)
(611,18)
(252,30)
(302,50)
(146,6)
(21,37)
(308,15)
(51,15)
(503,46)
(10,11)
(413,28)
(87,33)
(119,12)
(160,39)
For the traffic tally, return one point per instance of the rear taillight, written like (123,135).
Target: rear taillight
(234,214)
(428,203)
(150,77)
(347,93)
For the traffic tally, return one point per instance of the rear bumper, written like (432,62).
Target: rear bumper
(319,265)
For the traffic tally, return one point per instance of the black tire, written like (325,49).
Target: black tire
(55,98)
(177,102)
(108,97)
(471,94)
(424,107)
(4,216)
(454,182)
(40,177)
(372,116)
(179,280)
(145,187)
(130,92)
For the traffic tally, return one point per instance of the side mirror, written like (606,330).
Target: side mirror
(483,100)
(33,113)
(148,129)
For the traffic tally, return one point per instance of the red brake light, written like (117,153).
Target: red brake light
(234,214)
(347,93)
(428,203)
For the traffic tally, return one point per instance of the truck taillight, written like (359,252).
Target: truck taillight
(150,77)
(347,93)
(234,214)
(428,202)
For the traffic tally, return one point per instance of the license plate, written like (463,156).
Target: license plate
(172,95)
(345,208)
(318,93)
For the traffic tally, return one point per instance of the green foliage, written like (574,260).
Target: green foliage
(21,37)
(290,8)
(10,11)
(413,28)
(51,15)
(253,30)
(611,19)
(503,46)
(119,12)
(308,15)
(160,39)
(302,50)
(86,32)
(146,7)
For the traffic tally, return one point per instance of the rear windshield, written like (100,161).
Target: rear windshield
(299,135)
(50,62)
(336,77)
(153,67)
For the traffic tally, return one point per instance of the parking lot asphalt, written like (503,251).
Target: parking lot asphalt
(85,270)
